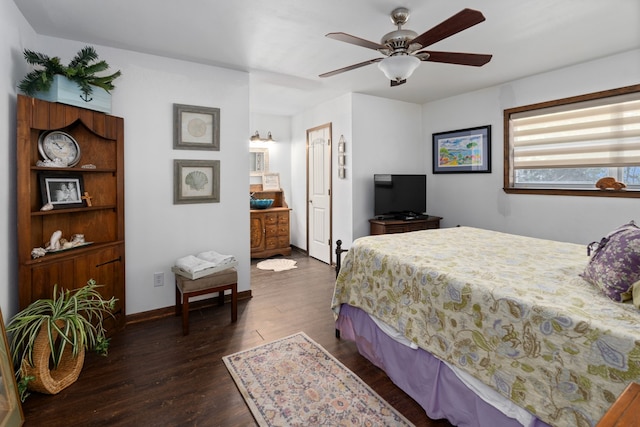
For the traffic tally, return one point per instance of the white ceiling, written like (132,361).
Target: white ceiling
(281,43)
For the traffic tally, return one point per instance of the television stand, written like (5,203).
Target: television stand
(409,217)
(390,226)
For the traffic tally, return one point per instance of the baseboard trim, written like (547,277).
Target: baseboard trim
(297,249)
(160,313)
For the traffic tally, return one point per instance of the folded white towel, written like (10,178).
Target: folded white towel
(215,258)
(203,264)
(192,264)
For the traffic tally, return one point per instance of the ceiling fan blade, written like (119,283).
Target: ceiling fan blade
(350,67)
(462,20)
(397,83)
(473,59)
(348,38)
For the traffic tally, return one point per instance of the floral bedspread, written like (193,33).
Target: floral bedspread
(510,310)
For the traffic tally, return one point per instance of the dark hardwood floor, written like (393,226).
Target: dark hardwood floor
(155,376)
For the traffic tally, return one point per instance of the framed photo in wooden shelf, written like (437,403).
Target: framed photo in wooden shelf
(196,181)
(63,190)
(196,128)
(10,407)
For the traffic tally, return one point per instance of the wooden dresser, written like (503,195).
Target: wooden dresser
(389,226)
(270,227)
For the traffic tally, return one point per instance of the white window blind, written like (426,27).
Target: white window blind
(597,133)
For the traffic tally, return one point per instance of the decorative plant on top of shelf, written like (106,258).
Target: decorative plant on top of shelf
(49,337)
(82,69)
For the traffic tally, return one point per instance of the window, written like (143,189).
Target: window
(565,146)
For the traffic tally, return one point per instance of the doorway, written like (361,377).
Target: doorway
(319,192)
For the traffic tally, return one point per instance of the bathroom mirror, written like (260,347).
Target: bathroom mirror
(258,161)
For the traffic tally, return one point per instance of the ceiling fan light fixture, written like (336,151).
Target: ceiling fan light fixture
(399,67)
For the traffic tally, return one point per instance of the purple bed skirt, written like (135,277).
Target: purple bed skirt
(429,381)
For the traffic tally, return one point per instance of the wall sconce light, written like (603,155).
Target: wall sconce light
(256,138)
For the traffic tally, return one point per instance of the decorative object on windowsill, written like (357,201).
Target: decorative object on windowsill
(75,84)
(256,138)
(610,183)
(341,157)
(50,336)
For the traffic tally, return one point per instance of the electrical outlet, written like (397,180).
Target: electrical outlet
(158,279)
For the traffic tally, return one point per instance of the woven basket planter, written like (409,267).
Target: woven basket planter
(47,380)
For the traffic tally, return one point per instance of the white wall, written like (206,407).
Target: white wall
(382,136)
(279,151)
(338,113)
(158,232)
(478,200)
(386,139)
(15,35)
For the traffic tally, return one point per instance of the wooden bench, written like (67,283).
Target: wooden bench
(216,282)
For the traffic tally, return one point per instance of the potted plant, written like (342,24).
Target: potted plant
(50,336)
(79,74)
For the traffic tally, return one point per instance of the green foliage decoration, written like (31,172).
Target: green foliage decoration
(82,69)
(77,317)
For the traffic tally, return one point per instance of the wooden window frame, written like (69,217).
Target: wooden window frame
(551,191)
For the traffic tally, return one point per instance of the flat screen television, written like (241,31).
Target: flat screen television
(400,196)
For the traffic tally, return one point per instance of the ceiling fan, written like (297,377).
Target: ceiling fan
(402,47)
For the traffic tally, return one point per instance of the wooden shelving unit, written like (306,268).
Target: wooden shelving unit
(101,140)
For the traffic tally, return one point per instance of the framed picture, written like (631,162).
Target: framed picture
(63,190)
(196,128)
(196,181)
(258,161)
(10,407)
(462,151)
(270,181)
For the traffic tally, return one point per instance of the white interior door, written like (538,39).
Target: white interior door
(319,193)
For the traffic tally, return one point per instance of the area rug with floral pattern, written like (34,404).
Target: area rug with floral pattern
(293,381)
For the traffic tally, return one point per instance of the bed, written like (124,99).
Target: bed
(488,328)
